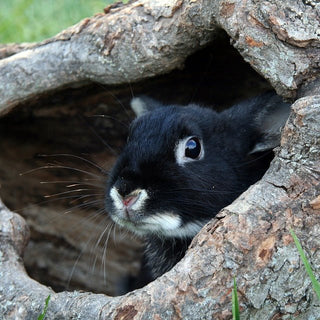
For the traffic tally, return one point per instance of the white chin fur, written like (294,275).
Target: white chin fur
(169,225)
(162,222)
(188,230)
(165,225)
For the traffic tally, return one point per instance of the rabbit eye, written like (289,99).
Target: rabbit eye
(189,149)
(193,148)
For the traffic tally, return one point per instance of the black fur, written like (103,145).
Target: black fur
(197,190)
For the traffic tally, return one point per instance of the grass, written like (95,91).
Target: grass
(35,20)
(43,314)
(235,302)
(314,281)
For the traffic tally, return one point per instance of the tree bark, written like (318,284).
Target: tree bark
(249,239)
(279,39)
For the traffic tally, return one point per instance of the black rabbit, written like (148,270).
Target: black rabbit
(181,165)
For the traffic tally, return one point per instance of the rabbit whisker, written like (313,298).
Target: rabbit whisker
(112,118)
(73,183)
(68,192)
(99,137)
(93,164)
(55,166)
(109,225)
(104,255)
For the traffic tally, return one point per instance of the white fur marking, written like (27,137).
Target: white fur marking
(190,229)
(142,197)
(138,106)
(164,221)
(167,224)
(117,199)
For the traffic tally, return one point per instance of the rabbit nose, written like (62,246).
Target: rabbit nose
(130,200)
(129,206)
(125,188)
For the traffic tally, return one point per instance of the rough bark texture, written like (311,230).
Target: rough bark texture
(147,38)
(249,239)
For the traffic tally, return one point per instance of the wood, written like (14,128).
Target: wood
(250,238)
(146,38)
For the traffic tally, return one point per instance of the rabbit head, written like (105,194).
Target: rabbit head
(181,165)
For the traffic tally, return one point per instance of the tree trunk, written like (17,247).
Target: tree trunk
(176,51)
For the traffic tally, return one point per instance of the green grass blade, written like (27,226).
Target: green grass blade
(35,20)
(314,281)
(43,314)
(235,302)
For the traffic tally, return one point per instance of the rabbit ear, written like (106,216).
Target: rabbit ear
(138,106)
(269,121)
(143,104)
